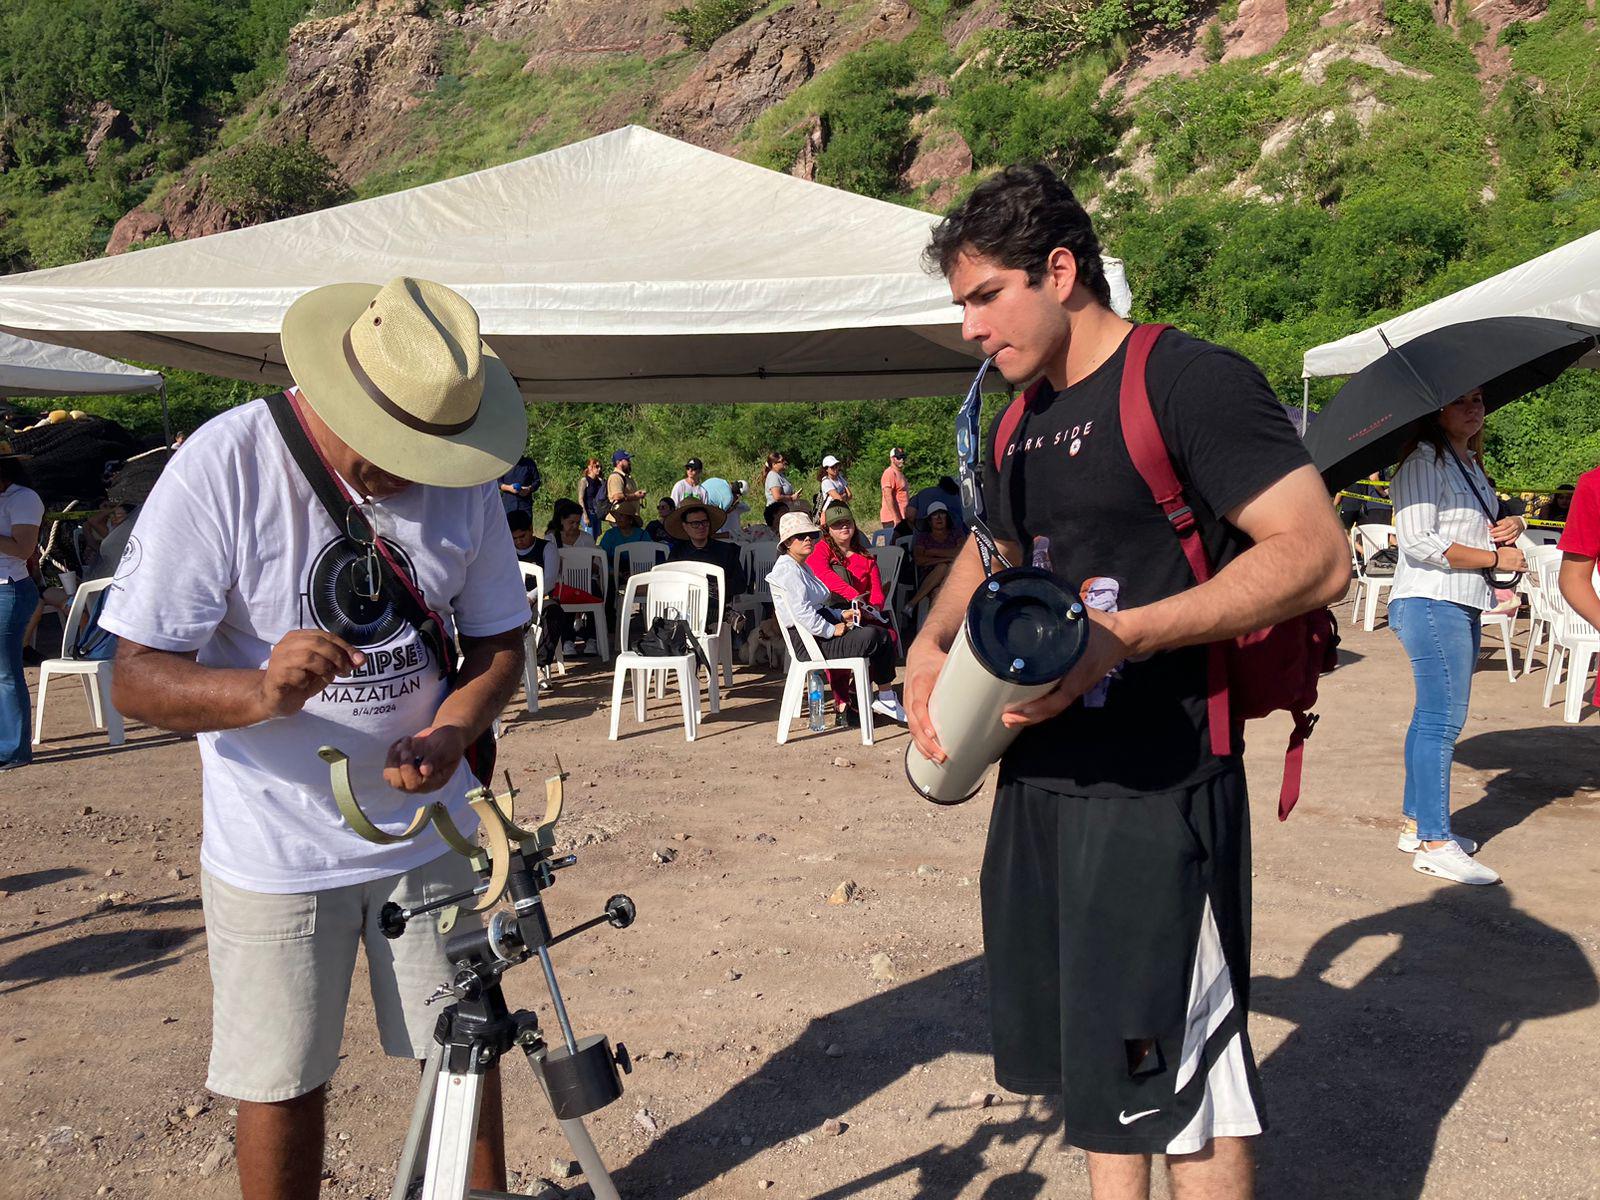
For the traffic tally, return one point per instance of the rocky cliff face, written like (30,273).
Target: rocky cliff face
(759,64)
(353,80)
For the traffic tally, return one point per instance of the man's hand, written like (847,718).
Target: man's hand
(426,761)
(923,665)
(302,664)
(1105,650)
(1507,530)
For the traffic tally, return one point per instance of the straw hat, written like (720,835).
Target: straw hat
(628,508)
(674,520)
(793,525)
(401,376)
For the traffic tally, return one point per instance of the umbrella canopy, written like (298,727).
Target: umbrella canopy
(29,368)
(628,267)
(1563,284)
(1365,426)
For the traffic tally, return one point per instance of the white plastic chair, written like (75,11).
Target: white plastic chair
(805,656)
(758,559)
(1544,565)
(94,674)
(1370,539)
(1505,622)
(584,568)
(635,558)
(533,582)
(670,593)
(1573,648)
(719,634)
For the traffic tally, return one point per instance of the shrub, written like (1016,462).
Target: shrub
(868,120)
(263,181)
(704,21)
(1006,121)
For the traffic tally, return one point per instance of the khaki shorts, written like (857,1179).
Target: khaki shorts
(281,968)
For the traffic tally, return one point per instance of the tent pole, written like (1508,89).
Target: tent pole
(1305,407)
(166,420)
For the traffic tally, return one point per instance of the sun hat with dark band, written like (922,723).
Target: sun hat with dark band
(674,520)
(793,525)
(401,375)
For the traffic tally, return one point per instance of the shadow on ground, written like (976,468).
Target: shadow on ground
(1535,768)
(1354,1110)
(1352,1114)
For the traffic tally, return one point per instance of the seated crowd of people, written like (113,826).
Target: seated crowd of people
(825,578)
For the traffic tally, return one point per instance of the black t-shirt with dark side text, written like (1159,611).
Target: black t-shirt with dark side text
(1066,475)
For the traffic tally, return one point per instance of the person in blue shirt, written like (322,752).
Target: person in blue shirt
(518,485)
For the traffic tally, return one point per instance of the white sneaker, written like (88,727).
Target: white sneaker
(1451,862)
(1410,843)
(889,707)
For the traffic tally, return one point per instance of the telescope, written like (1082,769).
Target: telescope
(1023,630)
(579,1076)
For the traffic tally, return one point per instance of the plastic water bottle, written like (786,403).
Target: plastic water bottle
(814,701)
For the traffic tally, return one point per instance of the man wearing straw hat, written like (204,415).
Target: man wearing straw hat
(693,527)
(250,616)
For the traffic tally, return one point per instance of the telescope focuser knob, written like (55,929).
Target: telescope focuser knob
(391,920)
(621,912)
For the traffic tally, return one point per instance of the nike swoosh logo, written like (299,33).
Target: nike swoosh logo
(1127,1119)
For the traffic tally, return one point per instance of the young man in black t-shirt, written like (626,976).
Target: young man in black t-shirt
(1116,881)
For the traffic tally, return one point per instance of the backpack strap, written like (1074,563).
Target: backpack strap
(1148,449)
(1009,421)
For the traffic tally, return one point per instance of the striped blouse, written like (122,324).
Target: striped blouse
(1434,507)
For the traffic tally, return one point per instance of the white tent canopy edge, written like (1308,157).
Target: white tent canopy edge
(1563,284)
(29,368)
(628,267)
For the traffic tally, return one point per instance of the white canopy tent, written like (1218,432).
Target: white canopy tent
(30,368)
(1563,284)
(629,267)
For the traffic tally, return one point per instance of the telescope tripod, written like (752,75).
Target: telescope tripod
(578,1076)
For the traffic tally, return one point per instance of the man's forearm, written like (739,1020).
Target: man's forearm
(172,691)
(490,670)
(1275,579)
(1577,587)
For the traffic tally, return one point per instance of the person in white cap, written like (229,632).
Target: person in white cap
(250,616)
(832,486)
(801,598)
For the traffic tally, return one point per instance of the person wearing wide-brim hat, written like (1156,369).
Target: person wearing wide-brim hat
(693,527)
(801,599)
(252,615)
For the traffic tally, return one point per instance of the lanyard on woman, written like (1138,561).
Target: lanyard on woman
(1491,513)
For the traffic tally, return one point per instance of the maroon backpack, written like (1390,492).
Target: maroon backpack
(1250,675)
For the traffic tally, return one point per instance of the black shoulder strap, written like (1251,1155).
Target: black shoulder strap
(339,508)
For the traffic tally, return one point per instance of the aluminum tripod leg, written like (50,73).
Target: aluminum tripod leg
(451,1136)
(414,1157)
(594,1171)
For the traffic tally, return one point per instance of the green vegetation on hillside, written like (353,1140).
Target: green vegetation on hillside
(1257,202)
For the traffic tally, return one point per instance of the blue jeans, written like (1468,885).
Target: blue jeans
(1441,638)
(17,602)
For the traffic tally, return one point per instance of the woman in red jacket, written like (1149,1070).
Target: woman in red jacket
(843,562)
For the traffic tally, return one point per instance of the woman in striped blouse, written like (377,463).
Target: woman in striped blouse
(1449,538)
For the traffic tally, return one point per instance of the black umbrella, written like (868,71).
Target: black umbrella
(1365,426)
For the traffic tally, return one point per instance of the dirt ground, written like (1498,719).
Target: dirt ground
(1417,1039)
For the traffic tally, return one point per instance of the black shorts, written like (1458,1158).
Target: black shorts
(1117,938)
